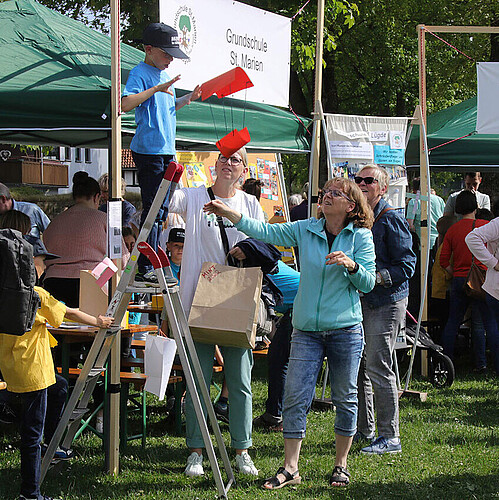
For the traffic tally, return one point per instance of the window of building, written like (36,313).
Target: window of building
(78,155)
(67,154)
(88,158)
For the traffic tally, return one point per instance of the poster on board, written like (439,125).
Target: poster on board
(261,166)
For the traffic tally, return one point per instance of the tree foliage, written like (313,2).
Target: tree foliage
(370,57)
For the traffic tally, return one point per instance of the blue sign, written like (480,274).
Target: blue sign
(384,155)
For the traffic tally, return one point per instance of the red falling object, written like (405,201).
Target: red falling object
(233,142)
(226,84)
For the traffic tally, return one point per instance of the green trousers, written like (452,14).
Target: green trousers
(238,363)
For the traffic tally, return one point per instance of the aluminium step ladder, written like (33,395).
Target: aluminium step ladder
(95,363)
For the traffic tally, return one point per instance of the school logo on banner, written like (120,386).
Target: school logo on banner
(185,24)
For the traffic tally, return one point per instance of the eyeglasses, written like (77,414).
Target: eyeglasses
(233,160)
(367,180)
(335,193)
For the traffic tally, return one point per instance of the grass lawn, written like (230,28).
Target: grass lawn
(450,451)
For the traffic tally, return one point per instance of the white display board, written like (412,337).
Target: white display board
(487,117)
(355,141)
(219,35)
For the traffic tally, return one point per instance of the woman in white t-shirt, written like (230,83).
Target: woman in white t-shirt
(203,243)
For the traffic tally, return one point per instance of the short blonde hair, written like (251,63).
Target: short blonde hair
(379,173)
(104,184)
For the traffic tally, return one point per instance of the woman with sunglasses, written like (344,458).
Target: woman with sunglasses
(384,311)
(203,243)
(337,261)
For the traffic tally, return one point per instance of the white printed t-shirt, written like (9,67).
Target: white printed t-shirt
(203,242)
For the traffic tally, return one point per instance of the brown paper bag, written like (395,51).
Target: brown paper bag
(225,306)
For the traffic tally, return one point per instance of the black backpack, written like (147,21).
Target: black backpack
(18,299)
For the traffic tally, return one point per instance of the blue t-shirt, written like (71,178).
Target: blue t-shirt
(155,117)
(175,270)
(287,280)
(39,221)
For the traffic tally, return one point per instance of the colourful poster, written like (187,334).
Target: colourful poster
(194,173)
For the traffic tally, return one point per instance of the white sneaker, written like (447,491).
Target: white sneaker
(194,465)
(245,465)
(99,424)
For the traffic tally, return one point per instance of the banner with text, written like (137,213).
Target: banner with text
(221,34)
(355,141)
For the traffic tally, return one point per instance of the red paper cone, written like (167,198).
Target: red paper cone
(226,84)
(233,142)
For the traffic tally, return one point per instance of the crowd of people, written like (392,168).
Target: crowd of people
(348,302)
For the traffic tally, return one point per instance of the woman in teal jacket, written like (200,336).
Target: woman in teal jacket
(337,261)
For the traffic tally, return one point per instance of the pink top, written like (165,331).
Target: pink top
(79,236)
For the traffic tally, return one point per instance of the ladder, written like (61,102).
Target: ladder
(95,363)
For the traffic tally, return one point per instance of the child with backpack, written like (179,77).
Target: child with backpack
(25,358)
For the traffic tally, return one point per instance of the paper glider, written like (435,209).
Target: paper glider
(226,84)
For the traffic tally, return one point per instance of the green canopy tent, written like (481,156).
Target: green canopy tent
(55,87)
(469,151)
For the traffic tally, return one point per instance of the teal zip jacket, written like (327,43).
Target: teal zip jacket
(328,296)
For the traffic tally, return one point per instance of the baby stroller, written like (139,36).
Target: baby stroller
(441,371)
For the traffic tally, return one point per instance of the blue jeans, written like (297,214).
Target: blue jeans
(277,359)
(150,172)
(56,400)
(343,349)
(459,302)
(33,408)
(493,333)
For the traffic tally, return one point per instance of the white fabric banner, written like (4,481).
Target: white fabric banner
(219,35)
(487,116)
(355,141)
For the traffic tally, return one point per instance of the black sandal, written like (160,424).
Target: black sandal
(340,475)
(274,483)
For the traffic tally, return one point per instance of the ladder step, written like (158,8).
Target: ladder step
(78,414)
(152,289)
(96,372)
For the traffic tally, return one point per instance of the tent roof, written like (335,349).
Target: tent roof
(477,150)
(55,82)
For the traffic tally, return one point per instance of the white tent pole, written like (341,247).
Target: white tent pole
(115,193)
(328,149)
(425,163)
(316,139)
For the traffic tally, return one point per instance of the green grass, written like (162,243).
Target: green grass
(450,451)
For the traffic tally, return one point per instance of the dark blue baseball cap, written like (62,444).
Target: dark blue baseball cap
(165,38)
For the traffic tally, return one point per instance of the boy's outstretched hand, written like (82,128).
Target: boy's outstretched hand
(196,93)
(165,87)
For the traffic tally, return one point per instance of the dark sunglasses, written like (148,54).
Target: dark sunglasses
(367,180)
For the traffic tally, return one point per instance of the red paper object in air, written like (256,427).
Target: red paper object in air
(233,142)
(226,84)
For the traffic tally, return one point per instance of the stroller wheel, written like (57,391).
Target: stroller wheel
(441,369)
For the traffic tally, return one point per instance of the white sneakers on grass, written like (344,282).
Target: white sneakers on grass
(244,465)
(194,465)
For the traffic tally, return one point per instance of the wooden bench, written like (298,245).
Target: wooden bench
(260,353)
